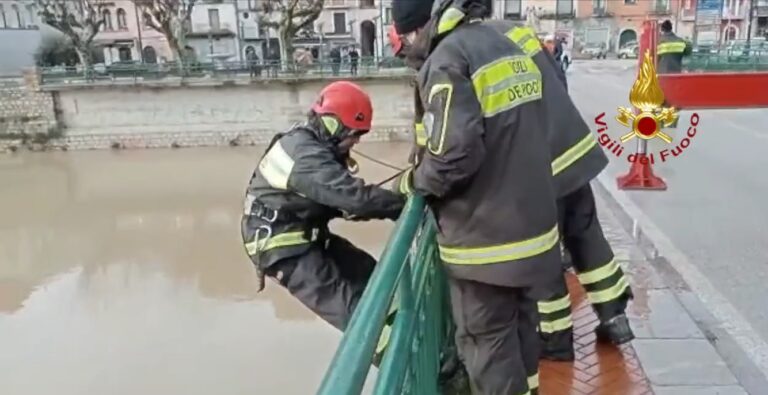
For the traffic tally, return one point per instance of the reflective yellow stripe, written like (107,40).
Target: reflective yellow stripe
(552,306)
(276,167)
(526,39)
(421,134)
(609,294)
(450,18)
(506,83)
(386,332)
(501,253)
(405,182)
(573,154)
(533,382)
(282,240)
(599,274)
(670,47)
(557,325)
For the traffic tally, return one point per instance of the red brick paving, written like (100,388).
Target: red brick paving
(599,369)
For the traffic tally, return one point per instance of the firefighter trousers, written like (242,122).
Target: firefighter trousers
(329,279)
(598,272)
(496,337)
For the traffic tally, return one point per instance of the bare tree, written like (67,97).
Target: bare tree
(171,19)
(79,20)
(289,17)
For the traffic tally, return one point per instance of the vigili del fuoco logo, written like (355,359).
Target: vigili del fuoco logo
(646,120)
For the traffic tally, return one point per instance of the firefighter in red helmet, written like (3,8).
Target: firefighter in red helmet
(302,181)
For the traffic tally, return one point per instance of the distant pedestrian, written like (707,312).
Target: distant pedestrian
(335,56)
(354,57)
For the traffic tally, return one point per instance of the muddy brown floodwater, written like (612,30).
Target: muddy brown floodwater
(123,273)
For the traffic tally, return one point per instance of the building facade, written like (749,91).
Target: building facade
(214,34)
(125,36)
(20,34)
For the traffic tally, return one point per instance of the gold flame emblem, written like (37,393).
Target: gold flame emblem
(647,98)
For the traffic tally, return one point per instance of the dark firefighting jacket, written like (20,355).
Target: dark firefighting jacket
(302,183)
(486,171)
(576,156)
(670,51)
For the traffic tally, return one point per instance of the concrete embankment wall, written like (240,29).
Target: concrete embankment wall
(163,114)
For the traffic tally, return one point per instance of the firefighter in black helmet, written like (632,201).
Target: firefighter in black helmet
(486,174)
(670,51)
(576,160)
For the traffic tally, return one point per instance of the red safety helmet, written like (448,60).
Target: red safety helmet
(394,40)
(348,103)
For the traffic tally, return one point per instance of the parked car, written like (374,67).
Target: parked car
(628,51)
(593,50)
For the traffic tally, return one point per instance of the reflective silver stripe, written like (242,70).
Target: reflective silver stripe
(276,167)
(501,253)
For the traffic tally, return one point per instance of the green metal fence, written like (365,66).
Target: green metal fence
(135,71)
(727,61)
(421,337)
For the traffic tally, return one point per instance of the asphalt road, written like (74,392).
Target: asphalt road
(715,209)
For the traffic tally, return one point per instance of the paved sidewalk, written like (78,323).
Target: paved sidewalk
(671,355)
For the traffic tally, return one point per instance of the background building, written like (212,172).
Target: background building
(215,34)
(126,37)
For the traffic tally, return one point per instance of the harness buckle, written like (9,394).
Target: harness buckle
(268,232)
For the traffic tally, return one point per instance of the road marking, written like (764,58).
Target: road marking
(729,318)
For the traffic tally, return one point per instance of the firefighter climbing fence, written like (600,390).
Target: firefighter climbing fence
(408,278)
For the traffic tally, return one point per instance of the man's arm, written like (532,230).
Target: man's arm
(454,124)
(317,175)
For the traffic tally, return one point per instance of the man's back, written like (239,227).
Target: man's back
(670,52)
(490,167)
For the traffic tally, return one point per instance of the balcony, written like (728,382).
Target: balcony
(735,13)
(761,9)
(557,15)
(205,30)
(600,12)
(339,3)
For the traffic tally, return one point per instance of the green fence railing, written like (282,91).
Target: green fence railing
(135,71)
(727,61)
(409,273)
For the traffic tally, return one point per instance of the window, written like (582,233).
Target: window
(339,22)
(565,7)
(213,19)
(146,21)
(599,6)
(32,13)
(513,8)
(388,16)
(2,17)
(367,4)
(19,18)
(245,15)
(124,54)
(107,16)
(122,20)
(630,2)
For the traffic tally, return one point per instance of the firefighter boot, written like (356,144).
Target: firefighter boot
(616,330)
(557,346)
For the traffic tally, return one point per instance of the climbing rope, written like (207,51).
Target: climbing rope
(374,160)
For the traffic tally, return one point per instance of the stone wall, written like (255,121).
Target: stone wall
(212,113)
(24,111)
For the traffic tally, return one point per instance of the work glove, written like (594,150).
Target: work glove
(404,183)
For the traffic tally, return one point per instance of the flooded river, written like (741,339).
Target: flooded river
(123,273)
